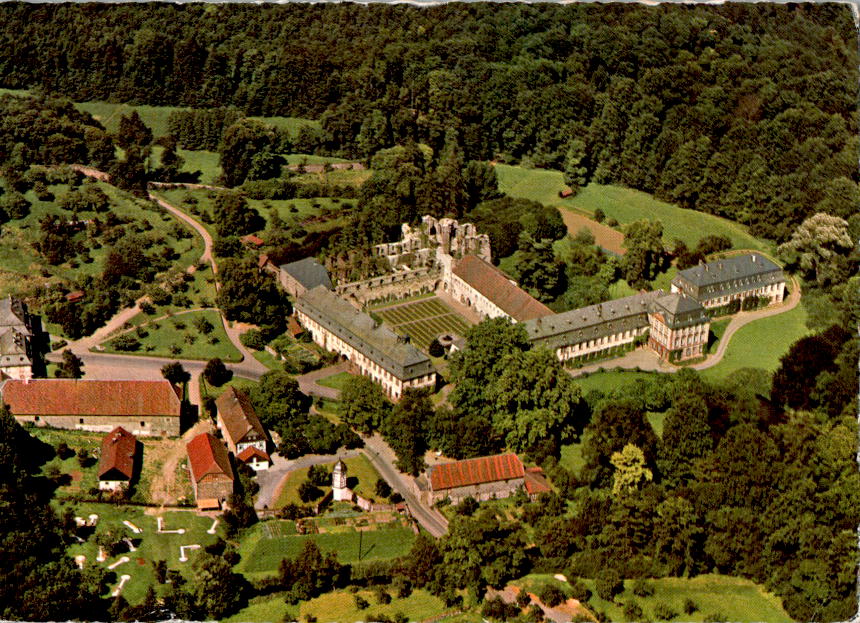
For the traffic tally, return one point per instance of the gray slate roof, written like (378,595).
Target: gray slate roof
(308,272)
(13,313)
(679,310)
(728,276)
(362,332)
(592,322)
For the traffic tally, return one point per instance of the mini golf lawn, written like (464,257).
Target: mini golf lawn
(152,547)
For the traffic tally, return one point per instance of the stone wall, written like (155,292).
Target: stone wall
(389,287)
(213,486)
(146,426)
(481,492)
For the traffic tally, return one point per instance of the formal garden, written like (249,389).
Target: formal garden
(423,320)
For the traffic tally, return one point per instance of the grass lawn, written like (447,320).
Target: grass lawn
(361,478)
(623,204)
(610,379)
(267,360)
(82,479)
(261,554)
(717,330)
(348,177)
(290,124)
(155,117)
(340,606)
(179,330)
(151,545)
(571,456)
(655,419)
(760,344)
(311,159)
(336,381)
(204,161)
(21,266)
(731,599)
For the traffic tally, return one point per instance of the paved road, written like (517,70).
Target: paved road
(383,457)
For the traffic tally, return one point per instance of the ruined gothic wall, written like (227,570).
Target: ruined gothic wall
(390,287)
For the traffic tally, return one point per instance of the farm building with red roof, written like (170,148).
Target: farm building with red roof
(210,469)
(117,459)
(483,478)
(486,289)
(141,407)
(241,427)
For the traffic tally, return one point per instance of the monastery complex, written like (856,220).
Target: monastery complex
(444,255)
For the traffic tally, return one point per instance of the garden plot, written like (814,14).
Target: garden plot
(424,320)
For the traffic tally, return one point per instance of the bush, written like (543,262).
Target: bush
(690,606)
(318,475)
(641,588)
(382,595)
(147,308)
(523,599)
(126,342)
(64,451)
(467,507)
(360,602)
(664,612)
(579,591)
(599,215)
(612,222)
(253,339)
(308,492)
(497,610)
(216,373)
(382,488)
(551,595)
(632,611)
(436,349)
(608,584)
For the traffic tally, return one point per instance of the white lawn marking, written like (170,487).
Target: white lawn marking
(102,555)
(182,548)
(560,577)
(131,526)
(131,546)
(122,580)
(212,529)
(93,520)
(119,562)
(162,530)
(80,560)
(80,521)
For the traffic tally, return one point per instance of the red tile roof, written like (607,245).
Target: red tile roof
(208,456)
(497,287)
(118,448)
(250,452)
(476,471)
(262,260)
(237,414)
(536,482)
(74,297)
(252,239)
(85,397)
(294,327)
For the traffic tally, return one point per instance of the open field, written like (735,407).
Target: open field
(760,344)
(606,237)
(340,606)
(290,124)
(178,337)
(722,598)
(155,117)
(424,320)
(151,546)
(623,204)
(262,553)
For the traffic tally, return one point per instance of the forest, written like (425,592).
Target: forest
(719,109)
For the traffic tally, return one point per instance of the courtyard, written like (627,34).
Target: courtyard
(423,320)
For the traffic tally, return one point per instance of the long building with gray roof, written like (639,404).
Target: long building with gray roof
(722,281)
(677,324)
(372,349)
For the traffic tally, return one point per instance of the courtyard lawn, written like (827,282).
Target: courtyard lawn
(262,554)
(625,205)
(177,337)
(423,320)
(336,381)
(761,343)
(717,597)
(151,546)
(361,478)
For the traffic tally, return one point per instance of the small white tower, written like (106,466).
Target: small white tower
(338,483)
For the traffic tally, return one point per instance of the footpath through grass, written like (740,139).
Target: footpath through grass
(625,205)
